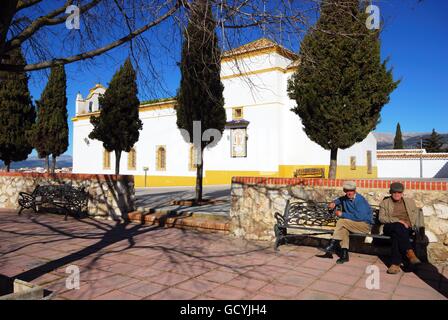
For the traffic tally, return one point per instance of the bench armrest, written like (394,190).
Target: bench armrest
(280,219)
(26,195)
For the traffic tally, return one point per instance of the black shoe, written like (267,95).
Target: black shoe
(333,247)
(344,257)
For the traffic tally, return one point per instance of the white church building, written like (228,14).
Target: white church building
(263,137)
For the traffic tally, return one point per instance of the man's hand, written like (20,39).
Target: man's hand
(331,205)
(404,223)
(338,213)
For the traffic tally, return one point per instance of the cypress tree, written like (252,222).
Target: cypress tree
(59,125)
(50,133)
(17,113)
(398,141)
(341,84)
(200,96)
(433,143)
(118,124)
(39,136)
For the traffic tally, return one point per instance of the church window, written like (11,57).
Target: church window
(106,159)
(132,159)
(161,158)
(237,113)
(191,159)
(369,162)
(353,163)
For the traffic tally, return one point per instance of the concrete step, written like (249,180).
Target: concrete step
(186,220)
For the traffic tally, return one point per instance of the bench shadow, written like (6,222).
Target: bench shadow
(426,271)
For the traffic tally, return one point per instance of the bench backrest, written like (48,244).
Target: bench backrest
(60,192)
(317,214)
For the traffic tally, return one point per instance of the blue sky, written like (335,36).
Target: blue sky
(415,39)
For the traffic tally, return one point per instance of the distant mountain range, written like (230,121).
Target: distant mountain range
(410,139)
(63,161)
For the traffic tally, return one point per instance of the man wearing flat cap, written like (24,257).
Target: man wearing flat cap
(399,216)
(356,216)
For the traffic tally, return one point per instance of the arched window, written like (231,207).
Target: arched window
(106,160)
(132,159)
(90,106)
(161,158)
(191,159)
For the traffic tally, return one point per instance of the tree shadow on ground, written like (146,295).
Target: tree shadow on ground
(107,236)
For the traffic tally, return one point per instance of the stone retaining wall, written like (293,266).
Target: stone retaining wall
(255,200)
(109,195)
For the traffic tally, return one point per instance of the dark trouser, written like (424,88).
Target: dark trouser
(400,240)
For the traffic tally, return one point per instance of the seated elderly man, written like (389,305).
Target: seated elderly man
(356,216)
(399,215)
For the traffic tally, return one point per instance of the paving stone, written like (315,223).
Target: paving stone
(225,292)
(285,291)
(173,294)
(296,279)
(218,276)
(316,295)
(330,287)
(117,295)
(414,292)
(143,288)
(197,285)
(346,279)
(169,278)
(366,294)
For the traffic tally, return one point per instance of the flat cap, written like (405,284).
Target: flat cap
(396,187)
(349,185)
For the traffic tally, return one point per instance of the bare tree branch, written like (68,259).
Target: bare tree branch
(92,53)
(26,4)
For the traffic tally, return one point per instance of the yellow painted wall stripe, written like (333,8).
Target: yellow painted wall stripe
(212,177)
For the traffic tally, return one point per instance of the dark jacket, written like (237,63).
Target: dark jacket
(387,208)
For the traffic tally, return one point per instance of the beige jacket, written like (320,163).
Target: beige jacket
(387,208)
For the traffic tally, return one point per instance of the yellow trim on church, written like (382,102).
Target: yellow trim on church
(257,52)
(249,73)
(215,177)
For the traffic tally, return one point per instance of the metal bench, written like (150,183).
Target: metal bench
(67,197)
(310,173)
(316,217)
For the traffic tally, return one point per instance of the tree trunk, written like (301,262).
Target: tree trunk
(333,163)
(53,164)
(7,11)
(117,161)
(47,163)
(199,171)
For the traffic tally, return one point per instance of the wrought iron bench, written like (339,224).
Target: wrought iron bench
(310,173)
(67,197)
(316,217)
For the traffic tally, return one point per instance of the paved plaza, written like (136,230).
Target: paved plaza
(133,261)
